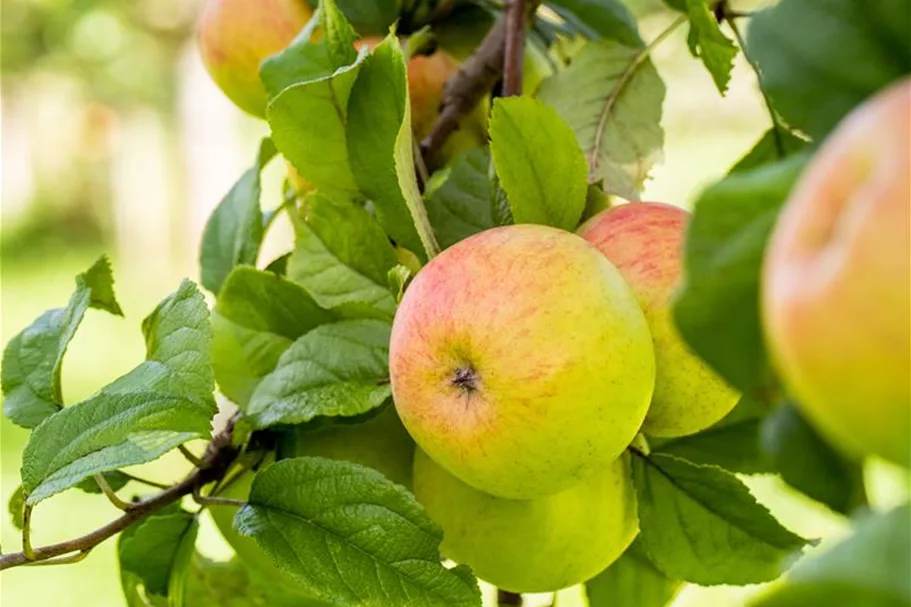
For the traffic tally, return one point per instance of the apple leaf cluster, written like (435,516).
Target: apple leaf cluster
(301,343)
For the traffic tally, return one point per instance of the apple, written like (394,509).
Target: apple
(380,443)
(836,282)
(235,36)
(520,361)
(645,242)
(537,545)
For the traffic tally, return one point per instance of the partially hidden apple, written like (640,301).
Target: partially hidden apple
(645,242)
(380,443)
(836,290)
(520,361)
(235,36)
(537,545)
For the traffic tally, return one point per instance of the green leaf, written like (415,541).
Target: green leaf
(256,317)
(233,584)
(301,61)
(16,507)
(717,307)
(707,42)
(701,524)
(458,198)
(774,145)
(869,569)
(308,120)
(733,443)
(374,17)
(156,552)
(116,479)
(339,369)
(236,227)
(539,163)
(816,75)
(632,581)
(611,96)
(809,464)
(349,535)
(160,404)
(378,116)
(338,34)
(32,360)
(343,269)
(609,19)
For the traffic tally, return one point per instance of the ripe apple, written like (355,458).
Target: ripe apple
(537,545)
(836,284)
(235,36)
(645,242)
(380,443)
(520,361)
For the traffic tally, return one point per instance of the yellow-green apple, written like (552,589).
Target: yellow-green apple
(836,290)
(520,361)
(235,36)
(537,545)
(645,242)
(380,443)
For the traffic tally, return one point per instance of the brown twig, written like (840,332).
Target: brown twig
(219,455)
(476,77)
(514,47)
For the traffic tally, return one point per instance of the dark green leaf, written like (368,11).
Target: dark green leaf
(343,269)
(701,524)
(308,119)
(16,507)
(632,581)
(378,117)
(816,75)
(809,464)
(611,97)
(707,42)
(374,17)
(349,535)
(774,145)
(869,569)
(256,317)
(338,369)
(115,479)
(235,229)
(165,401)
(717,308)
(732,444)
(154,552)
(539,163)
(458,198)
(499,204)
(233,584)
(609,19)
(32,360)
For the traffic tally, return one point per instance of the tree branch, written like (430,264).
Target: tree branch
(219,455)
(475,78)
(514,47)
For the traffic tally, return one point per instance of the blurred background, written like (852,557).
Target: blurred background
(115,141)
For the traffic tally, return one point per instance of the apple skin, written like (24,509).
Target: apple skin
(645,242)
(380,443)
(235,36)
(520,361)
(836,290)
(538,545)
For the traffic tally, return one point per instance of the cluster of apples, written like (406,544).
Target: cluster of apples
(524,361)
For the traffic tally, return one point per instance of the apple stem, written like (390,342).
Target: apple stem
(505,598)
